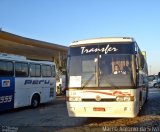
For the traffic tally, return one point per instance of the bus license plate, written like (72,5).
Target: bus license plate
(98,109)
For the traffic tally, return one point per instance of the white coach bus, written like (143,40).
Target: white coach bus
(25,82)
(107,77)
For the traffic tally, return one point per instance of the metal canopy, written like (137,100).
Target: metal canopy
(32,49)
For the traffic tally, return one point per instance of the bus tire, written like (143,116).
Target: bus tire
(35,101)
(155,85)
(146,98)
(146,95)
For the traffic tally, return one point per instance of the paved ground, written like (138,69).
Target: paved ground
(54,117)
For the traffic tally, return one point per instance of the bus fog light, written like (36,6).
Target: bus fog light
(127,109)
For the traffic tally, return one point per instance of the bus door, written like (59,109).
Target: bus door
(6,93)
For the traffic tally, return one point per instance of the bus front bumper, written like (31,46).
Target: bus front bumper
(102,109)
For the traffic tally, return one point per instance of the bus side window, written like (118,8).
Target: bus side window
(21,69)
(6,69)
(46,71)
(35,70)
(140,60)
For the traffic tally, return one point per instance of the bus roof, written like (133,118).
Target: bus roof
(103,40)
(19,58)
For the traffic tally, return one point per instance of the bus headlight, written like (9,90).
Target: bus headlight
(127,98)
(74,99)
(124,98)
(119,98)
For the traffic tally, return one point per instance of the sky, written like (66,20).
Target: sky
(64,21)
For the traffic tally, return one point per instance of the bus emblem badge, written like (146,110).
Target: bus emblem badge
(98,98)
(5,83)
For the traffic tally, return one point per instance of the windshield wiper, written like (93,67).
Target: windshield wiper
(86,83)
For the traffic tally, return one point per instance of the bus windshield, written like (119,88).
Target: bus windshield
(115,70)
(105,70)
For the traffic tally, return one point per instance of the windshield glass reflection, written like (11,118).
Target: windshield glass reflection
(100,70)
(115,70)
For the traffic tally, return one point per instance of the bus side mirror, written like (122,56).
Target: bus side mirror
(142,66)
(142,63)
(158,74)
(137,70)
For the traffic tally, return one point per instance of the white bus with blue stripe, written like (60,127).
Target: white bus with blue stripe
(25,82)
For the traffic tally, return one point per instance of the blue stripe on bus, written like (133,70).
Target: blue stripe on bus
(7,89)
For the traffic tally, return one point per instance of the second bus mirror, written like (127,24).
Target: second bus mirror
(159,74)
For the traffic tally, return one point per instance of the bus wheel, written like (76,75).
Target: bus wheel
(35,101)
(146,95)
(155,85)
